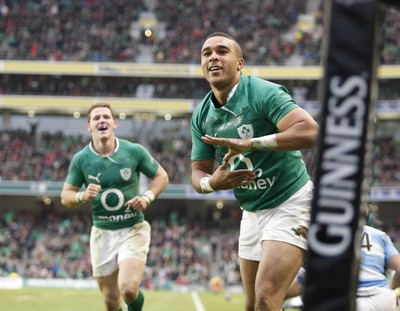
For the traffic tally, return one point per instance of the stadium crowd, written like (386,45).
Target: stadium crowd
(48,244)
(45,156)
(191,88)
(271,32)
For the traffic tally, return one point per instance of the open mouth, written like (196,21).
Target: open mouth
(214,68)
(102,127)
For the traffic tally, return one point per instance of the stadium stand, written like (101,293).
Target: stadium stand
(271,32)
(284,32)
(46,156)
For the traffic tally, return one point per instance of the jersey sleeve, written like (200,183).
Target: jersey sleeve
(390,249)
(147,164)
(200,150)
(273,101)
(75,176)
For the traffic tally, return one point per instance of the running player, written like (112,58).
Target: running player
(109,168)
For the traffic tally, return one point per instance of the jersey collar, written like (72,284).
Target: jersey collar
(96,153)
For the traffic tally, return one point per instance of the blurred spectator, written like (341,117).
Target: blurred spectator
(45,156)
(55,245)
(270,32)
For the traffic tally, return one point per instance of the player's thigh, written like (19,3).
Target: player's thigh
(248,272)
(279,264)
(103,252)
(109,286)
(132,255)
(135,243)
(130,273)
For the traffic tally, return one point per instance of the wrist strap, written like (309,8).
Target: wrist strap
(149,197)
(205,185)
(79,197)
(267,142)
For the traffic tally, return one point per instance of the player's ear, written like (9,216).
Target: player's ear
(240,64)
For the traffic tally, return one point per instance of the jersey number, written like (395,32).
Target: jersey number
(365,243)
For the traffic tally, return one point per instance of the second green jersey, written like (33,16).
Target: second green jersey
(253,110)
(118,175)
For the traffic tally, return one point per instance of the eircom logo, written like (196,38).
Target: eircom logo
(241,162)
(241,159)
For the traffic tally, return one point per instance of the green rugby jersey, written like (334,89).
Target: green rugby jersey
(118,175)
(253,111)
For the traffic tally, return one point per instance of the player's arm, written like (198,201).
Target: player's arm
(200,170)
(297,131)
(394,264)
(204,180)
(157,185)
(71,196)
(159,182)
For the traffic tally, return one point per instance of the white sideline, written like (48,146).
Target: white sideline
(196,299)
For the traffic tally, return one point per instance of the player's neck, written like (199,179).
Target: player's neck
(223,94)
(105,147)
(219,97)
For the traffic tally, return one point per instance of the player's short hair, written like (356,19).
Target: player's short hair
(225,35)
(99,105)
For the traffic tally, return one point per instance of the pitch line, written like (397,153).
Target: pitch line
(196,299)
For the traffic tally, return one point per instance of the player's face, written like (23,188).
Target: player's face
(101,122)
(221,62)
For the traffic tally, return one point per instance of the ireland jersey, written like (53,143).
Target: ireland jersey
(253,111)
(118,175)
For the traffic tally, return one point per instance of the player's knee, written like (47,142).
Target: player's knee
(266,298)
(130,291)
(111,301)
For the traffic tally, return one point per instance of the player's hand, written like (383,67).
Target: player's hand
(236,146)
(222,179)
(138,203)
(91,192)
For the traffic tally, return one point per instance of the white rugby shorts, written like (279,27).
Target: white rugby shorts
(288,222)
(109,247)
(375,299)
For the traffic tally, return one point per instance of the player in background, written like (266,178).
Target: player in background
(255,129)
(374,292)
(110,168)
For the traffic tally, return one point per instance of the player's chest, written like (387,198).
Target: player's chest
(243,124)
(105,172)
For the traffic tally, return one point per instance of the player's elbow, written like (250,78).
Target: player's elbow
(164,178)
(310,136)
(65,202)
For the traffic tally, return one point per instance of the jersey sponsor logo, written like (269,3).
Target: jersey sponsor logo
(116,192)
(95,178)
(115,218)
(242,159)
(258,183)
(246,131)
(126,173)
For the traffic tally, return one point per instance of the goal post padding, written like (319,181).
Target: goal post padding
(348,96)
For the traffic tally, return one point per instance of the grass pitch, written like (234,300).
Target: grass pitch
(35,299)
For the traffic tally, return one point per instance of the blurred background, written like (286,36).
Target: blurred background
(58,57)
